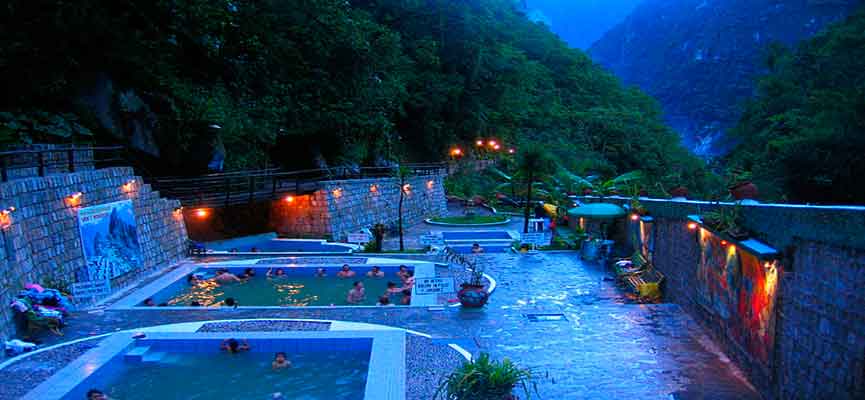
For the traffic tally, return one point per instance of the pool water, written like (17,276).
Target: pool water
(289,290)
(475,235)
(279,246)
(313,376)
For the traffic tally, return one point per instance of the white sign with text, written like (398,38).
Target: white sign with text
(433,285)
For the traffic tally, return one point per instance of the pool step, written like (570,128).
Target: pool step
(136,354)
(154,357)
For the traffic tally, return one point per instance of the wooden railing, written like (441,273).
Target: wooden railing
(41,161)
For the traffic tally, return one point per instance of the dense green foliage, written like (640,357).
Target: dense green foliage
(361,81)
(803,137)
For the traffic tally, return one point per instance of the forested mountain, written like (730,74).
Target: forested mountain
(301,82)
(803,136)
(700,58)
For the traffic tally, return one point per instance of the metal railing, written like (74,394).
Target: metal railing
(33,162)
(242,187)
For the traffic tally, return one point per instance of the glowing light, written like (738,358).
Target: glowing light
(723,243)
(512,151)
(456,152)
(337,192)
(634,217)
(692,226)
(128,186)
(201,213)
(429,184)
(74,199)
(496,147)
(289,199)
(479,143)
(492,143)
(406,187)
(373,188)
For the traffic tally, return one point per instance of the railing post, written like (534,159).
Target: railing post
(3,164)
(41,163)
(70,157)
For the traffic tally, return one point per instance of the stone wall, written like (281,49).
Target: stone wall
(814,337)
(340,207)
(41,242)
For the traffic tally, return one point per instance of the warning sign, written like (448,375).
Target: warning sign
(433,285)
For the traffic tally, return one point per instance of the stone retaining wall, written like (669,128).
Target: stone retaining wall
(816,331)
(340,207)
(41,242)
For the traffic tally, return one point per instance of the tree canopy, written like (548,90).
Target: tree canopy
(292,82)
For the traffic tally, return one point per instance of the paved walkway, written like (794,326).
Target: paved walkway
(606,349)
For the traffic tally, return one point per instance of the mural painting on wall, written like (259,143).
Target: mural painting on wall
(738,288)
(109,239)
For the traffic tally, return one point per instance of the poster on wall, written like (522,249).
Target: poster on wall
(109,240)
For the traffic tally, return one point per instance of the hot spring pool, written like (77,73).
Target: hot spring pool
(299,287)
(316,374)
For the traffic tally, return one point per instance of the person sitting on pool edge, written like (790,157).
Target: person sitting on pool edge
(233,346)
(280,361)
(279,273)
(320,273)
(356,294)
(96,394)
(223,276)
(476,248)
(375,272)
(346,272)
(402,272)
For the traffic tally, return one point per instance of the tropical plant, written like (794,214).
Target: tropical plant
(476,271)
(726,220)
(603,187)
(486,379)
(533,162)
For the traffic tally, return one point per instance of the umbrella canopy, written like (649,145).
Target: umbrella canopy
(597,211)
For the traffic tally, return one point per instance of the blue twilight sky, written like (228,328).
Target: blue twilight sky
(582,22)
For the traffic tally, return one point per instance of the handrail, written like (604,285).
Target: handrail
(59,149)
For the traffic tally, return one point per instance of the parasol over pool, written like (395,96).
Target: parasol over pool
(597,211)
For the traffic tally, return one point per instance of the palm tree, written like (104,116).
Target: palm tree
(534,162)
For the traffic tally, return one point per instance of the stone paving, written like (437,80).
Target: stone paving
(606,347)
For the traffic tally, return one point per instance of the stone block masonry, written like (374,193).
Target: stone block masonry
(341,207)
(796,325)
(41,242)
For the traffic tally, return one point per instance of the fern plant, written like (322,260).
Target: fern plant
(486,379)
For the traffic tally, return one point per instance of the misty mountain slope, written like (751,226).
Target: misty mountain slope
(699,58)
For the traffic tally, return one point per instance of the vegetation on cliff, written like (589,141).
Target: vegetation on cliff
(803,136)
(299,83)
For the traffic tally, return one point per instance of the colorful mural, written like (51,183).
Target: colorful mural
(740,289)
(109,239)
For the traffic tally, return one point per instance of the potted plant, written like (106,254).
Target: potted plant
(486,379)
(740,186)
(472,294)
(726,221)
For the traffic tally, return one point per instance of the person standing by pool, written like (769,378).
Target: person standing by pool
(356,294)
(346,272)
(234,346)
(375,272)
(280,361)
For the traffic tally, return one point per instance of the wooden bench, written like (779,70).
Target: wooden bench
(646,284)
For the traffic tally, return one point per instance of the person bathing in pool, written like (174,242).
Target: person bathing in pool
(321,273)
(356,294)
(223,276)
(234,346)
(279,273)
(403,271)
(375,272)
(346,272)
(280,361)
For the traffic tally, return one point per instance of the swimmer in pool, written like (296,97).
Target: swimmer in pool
(279,273)
(96,394)
(280,361)
(409,280)
(193,279)
(384,301)
(346,272)
(248,273)
(223,276)
(320,273)
(406,297)
(402,272)
(476,248)
(375,272)
(234,346)
(356,294)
